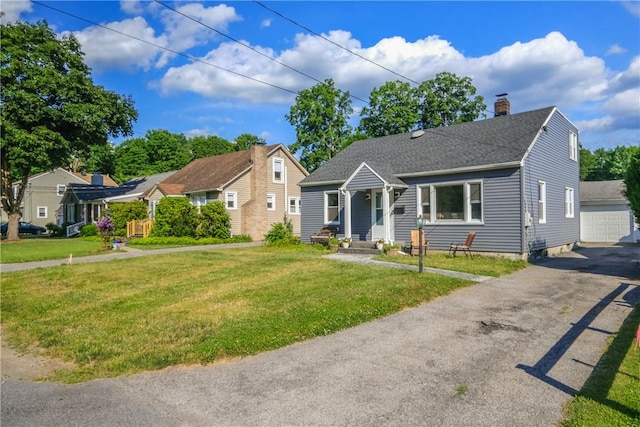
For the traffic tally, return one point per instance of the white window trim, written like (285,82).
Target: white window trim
(60,189)
(281,161)
(296,207)
(234,196)
(467,202)
(46,212)
(573,146)
(273,202)
(569,205)
(542,202)
(326,217)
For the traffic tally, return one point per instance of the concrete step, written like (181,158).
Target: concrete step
(359,251)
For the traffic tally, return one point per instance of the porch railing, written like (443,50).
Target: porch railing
(74,229)
(140,228)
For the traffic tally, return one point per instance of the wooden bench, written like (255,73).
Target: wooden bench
(324,235)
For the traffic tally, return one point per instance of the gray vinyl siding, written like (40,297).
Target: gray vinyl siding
(364,180)
(312,210)
(502,219)
(549,161)
(361,222)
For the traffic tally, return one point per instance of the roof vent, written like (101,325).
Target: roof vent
(417,134)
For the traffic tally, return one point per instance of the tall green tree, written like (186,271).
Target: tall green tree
(606,164)
(159,151)
(102,158)
(246,140)
(393,108)
(447,100)
(206,146)
(50,108)
(320,116)
(632,184)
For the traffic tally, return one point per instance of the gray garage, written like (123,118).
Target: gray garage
(604,213)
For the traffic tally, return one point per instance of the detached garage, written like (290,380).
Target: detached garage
(604,213)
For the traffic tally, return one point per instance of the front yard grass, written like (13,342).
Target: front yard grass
(127,316)
(611,396)
(45,248)
(479,265)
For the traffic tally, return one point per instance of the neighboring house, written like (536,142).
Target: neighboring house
(87,203)
(514,179)
(605,215)
(258,187)
(43,195)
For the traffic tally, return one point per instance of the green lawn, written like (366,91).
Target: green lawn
(611,396)
(126,316)
(44,248)
(480,265)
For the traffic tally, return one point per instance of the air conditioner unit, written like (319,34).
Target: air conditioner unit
(528,220)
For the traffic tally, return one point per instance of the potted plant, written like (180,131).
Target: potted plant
(391,249)
(334,243)
(345,242)
(379,244)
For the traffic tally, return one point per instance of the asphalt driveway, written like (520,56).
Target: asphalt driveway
(504,352)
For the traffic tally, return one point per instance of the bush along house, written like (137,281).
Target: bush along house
(514,179)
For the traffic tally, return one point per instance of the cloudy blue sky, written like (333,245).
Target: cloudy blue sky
(215,68)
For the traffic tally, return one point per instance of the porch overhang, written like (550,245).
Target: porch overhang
(367,177)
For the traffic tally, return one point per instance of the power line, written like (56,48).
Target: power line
(334,43)
(250,47)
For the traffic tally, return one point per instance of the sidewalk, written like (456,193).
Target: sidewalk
(127,252)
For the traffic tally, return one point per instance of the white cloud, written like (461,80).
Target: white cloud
(616,50)
(132,7)
(107,49)
(12,10)
(266,23)
(633,7)
(184,33)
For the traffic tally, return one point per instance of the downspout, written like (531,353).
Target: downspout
(523,212)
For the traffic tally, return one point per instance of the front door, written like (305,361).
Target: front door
(377,216)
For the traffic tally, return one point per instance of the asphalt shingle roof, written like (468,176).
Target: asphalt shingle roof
(600,191)
(212,172)
(499,140)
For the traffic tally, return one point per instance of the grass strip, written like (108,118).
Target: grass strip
(127,316)
(45,248)
(611,395)
(479,265)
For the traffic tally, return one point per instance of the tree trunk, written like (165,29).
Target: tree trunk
(12,227)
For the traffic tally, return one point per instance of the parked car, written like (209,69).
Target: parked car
(24,228)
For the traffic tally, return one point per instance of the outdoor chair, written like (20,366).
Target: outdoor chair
(464,247)
(414,242)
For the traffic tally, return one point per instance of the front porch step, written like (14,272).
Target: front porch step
(362,248)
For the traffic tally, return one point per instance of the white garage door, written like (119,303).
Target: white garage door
(610,223)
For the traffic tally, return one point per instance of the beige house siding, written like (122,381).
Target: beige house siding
(153,198)
(283,191)
(242,186)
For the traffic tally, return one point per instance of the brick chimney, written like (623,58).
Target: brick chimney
(254,221)
(502,107)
